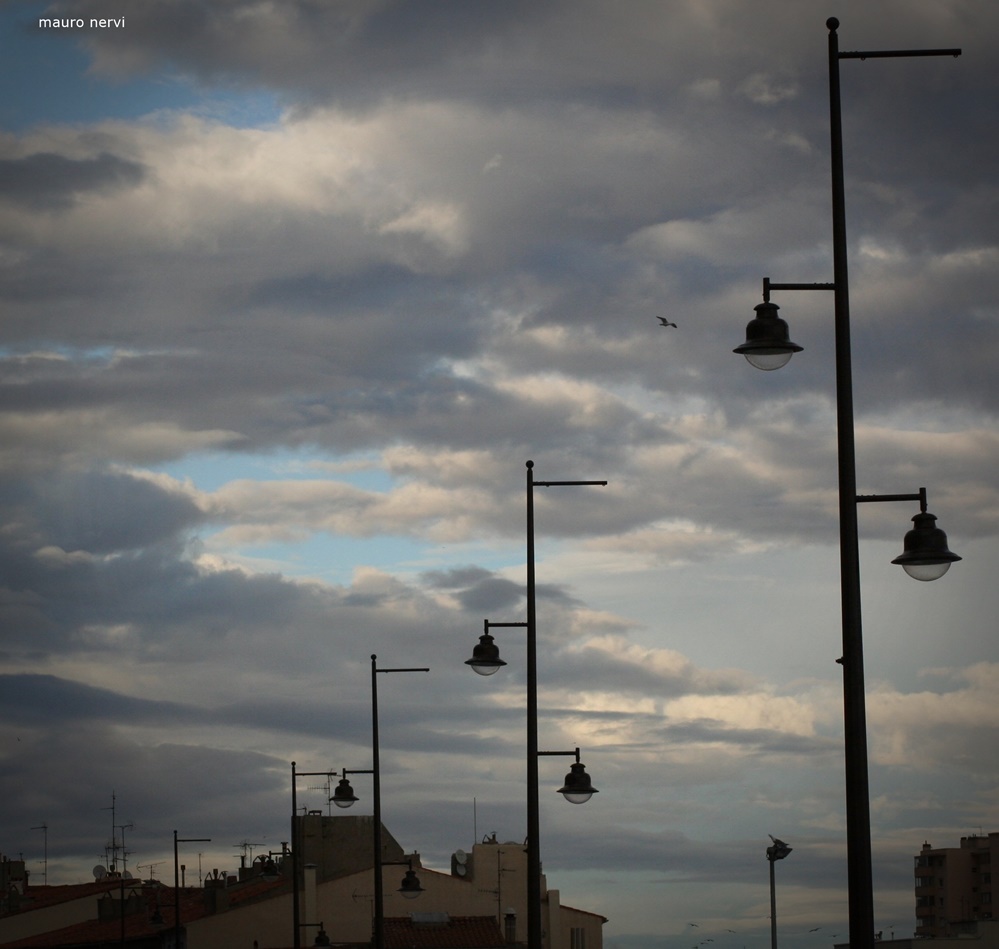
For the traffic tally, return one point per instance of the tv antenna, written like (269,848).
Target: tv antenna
(328,789)
(44,828)
(247,848)
(124,852)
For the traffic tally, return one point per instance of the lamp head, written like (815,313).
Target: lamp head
(925,555)
(410,887)
(577,788)
(779,850)
(485,656)
(768,345)
(344,795)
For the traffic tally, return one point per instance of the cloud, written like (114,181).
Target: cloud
(267,389)
(45,181)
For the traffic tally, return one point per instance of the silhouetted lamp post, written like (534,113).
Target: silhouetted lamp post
(768,346)
(485,661)
(296,865)
(778,851)
(176,882)
(344,796)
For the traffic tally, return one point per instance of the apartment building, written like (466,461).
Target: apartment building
(954,885)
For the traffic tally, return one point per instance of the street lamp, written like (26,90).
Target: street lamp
(578,788)
(344,796)
(176,882)
(768,346)
(296,845)
(778,851)
(485,661)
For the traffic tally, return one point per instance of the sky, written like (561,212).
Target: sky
(289,294)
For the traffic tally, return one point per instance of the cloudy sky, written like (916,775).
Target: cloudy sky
(289,294)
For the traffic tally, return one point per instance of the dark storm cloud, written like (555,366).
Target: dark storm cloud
(67,776)
(34,700)
(107,550)
(48,181)
(477,589)
(105,512)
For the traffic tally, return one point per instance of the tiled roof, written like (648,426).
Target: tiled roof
(38,897)
(449,932)
(137,925)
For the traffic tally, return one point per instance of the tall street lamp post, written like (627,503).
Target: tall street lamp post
(296,860)
(768,347)
(777,851)
(485,661)
(344,796)
(176,882)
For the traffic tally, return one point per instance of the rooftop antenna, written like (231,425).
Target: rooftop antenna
(124,852)
(45,862)
(245,846)
(328,788)
(113,859)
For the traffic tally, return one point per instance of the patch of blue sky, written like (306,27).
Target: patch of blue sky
(335,559)
(329,558)
(209,471)
(90,354)
(45,78)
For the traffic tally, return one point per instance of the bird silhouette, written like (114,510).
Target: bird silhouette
(664,322)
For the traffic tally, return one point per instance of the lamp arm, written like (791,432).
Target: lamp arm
(920,497)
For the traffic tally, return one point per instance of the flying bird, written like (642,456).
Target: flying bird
(664,322)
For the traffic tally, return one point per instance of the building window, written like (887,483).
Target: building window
(577,938)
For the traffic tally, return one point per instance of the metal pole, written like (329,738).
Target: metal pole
(858,813)
(379,940)
(176,882)
(534,922)
(296,934)
(377,791)
(773,908)
(176,895)
(534,937)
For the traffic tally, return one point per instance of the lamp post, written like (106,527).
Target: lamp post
(768,347)
(778,851)
(344,796)
(296,843)
(176,882)
(485,661)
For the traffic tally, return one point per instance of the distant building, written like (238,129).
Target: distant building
(954,885)
(480,904)
(978,934)
(13,877)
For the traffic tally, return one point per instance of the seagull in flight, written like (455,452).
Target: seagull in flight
(664,322)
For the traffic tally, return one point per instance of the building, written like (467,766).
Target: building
(980,934)
(480,903)
(954,885)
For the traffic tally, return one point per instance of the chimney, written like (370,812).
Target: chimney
(310,902)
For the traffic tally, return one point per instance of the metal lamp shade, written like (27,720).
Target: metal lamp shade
(768,345)
(925,555)
(577,788)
